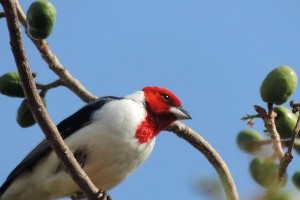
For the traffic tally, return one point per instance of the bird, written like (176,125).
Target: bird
(110,138)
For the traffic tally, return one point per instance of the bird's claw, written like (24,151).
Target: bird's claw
(103,195)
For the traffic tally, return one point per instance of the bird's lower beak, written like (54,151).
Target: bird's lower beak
(180,113)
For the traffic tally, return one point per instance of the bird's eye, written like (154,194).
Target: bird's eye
(165,97)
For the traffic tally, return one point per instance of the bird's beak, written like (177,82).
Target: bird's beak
(180,113)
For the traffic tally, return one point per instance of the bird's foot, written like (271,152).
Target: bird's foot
(103,195)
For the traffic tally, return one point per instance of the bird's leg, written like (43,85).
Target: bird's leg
(81,196)
(81,157)
(103,195)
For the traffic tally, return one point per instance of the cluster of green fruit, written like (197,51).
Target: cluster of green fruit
(10,85)
(276,88)
(41,17)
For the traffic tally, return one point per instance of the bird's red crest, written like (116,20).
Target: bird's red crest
(160,99)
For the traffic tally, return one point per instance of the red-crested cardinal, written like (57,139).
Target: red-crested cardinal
(110,138)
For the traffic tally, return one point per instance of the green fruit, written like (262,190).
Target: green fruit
(278,85)
(263,171)
(285,121)
(10,85)
(248,140)
(41,17)
(296,179)
(277,195)
(24,116)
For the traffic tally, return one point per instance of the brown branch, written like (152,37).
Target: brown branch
(210,153)
(48,86)
(36,106)
(284,158)
(269,122)
(54,64)
(296,108)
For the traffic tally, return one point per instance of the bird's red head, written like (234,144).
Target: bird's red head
(160,100)
(163,108)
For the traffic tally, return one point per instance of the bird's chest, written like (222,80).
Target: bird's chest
(109,157)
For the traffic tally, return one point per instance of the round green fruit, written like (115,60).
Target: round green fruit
(277,195)
(296,179)
(248,139)
(285,121)
(263,171)
(24,116)
(278,85)
(10,85)
(41,17)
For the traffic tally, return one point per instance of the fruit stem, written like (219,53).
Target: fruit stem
(49,86)
(270,108)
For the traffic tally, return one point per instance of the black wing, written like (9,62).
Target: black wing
(68,126)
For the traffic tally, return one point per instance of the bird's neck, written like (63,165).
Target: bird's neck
(152,125)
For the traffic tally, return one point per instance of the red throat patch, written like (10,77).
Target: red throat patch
(145,132)
(152,125)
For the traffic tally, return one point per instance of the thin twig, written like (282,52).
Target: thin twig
(294,134)
(49,86)
(269,122)
(210,153)
(54,64)
(36,106)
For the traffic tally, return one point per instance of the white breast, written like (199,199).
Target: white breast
(113,151)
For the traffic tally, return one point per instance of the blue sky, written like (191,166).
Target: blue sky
(212,54)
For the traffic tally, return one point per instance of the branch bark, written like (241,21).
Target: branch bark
(54,64)
(36,106)
(210,153)
(269,122)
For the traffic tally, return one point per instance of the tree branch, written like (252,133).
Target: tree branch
(48,86)
(36,106)
(269,122)
(54,64)
(210,153)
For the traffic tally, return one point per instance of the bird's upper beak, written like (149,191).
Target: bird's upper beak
(180,113)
